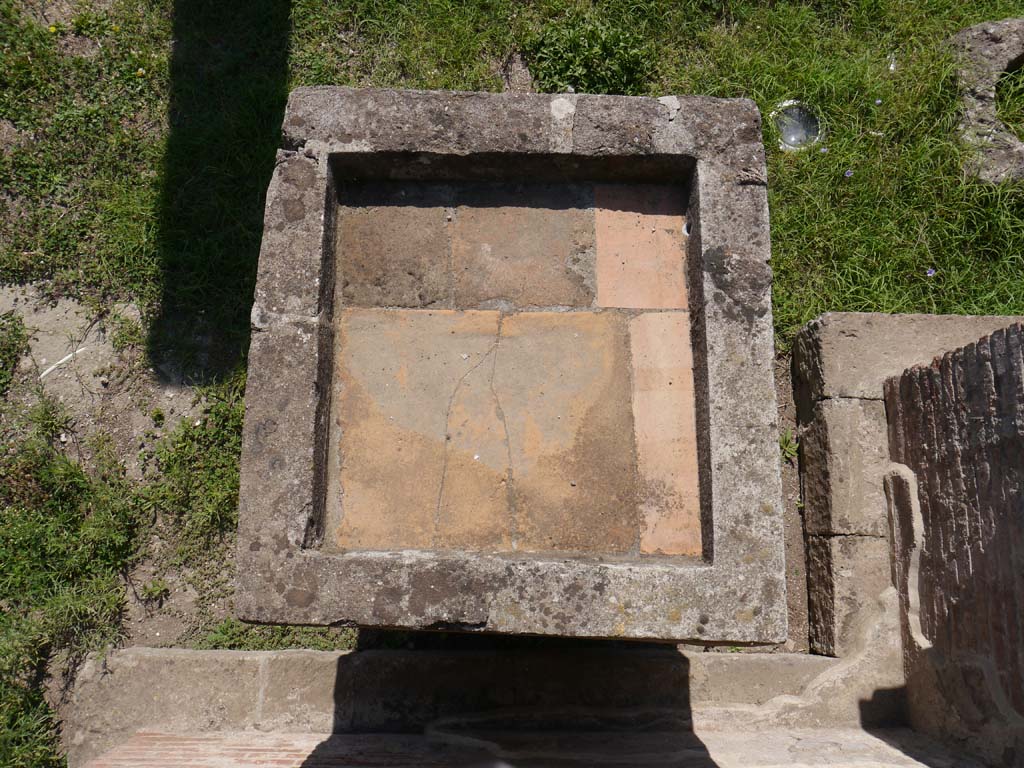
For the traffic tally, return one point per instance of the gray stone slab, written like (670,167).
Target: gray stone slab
(711,148)
(182,691)
(851,354)
(844,456)
(844,573)
(296,221)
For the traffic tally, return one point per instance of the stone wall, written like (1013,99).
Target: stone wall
(957,518)
(841,362)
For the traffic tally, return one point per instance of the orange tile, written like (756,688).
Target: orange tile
(563,382)
(479,431)
(666,434)
(641,246)
(528,246)
(399,375)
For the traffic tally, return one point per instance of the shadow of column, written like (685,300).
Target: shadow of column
(229,86)
(472,700)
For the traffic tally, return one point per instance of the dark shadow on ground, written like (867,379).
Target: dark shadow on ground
(512,701)
(885,717)
(229,86)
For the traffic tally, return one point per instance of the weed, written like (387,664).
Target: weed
(155,591)
(591,54)
(789,446)
(195,495)
(48,419)
(127,334)
(67,534)
(64,537)
(13,344)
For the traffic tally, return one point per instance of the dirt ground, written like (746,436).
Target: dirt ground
(95,367)
(793,524)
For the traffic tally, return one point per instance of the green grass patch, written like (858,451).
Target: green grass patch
(68,535)
(13,344)
(1010,101)
(232,634)
(65,534)
(194,500)
(81,187)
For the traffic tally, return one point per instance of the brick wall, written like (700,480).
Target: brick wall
(957,519)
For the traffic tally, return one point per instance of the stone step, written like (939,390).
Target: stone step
(185,691)
(776,748)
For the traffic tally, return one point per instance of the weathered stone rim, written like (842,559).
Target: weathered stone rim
(736,595)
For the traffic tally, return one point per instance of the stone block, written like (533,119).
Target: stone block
(202,692)
(280,464)
(304,691)
(844,574)
(616,125)
(851,354)
(148,687)
(844,455)
(296,220)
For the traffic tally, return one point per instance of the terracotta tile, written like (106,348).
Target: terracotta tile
(392,245)
(641,253)
(564,388)
(526,245)
(397,375)
(666,435)
(455,433)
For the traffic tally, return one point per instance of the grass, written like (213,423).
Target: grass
(64,537)
(1010,101)
(140,138)
(232,634)
(13,342)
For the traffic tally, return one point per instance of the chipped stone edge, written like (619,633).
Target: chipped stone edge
(737,597)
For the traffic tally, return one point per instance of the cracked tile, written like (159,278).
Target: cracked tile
(482,431)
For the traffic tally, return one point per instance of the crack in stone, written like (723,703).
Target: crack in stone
(510,497)
(447,422)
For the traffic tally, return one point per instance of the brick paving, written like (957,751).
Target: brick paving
(776,748)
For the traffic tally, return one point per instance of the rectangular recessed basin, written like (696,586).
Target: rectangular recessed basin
(511,370)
